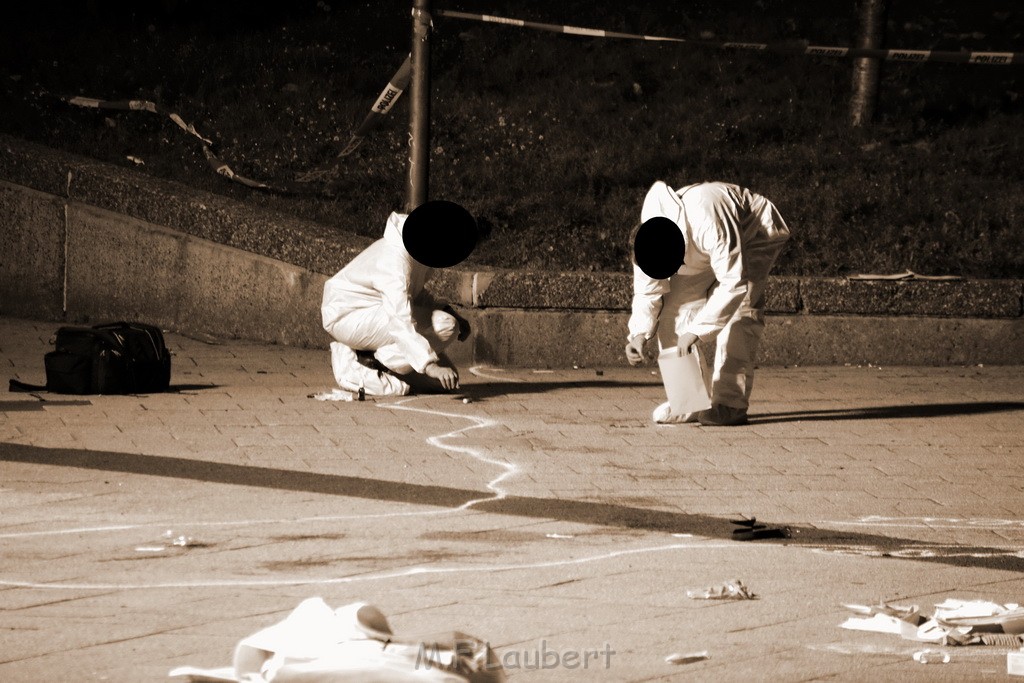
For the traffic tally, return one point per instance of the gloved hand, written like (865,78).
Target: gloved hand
(686,342)
(448,377)
(635,349)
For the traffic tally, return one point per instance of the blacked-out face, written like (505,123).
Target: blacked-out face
(440,234)
(659,248)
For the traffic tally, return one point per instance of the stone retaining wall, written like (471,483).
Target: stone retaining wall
(85,241)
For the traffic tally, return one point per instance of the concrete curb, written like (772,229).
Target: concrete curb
(86,241)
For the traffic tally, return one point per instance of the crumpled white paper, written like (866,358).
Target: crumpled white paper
(954,622)
(317,644)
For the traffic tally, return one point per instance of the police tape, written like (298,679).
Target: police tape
(797,48)
(382,105)
(145,105)
(385,101)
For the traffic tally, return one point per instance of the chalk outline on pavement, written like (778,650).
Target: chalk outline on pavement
(436,441)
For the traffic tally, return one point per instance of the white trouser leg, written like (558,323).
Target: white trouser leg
(352,375)
(736,351)
(367,330)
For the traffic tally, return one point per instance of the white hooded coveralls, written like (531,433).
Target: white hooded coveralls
(733,237)
(378,303)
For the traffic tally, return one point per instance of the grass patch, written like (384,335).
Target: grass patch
(554,139)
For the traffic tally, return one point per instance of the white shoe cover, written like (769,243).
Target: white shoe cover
(663,415)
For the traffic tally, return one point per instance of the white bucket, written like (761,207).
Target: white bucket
(684,383)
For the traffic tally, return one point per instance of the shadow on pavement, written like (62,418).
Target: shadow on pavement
(178,388)
(484,390)
(23,406)
(891,412)
(584,512)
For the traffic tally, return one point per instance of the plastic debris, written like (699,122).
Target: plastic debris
(1015,663)
(901,620)
(467,400)
(1008,618)
(730,590)
(955,622)
(353,642)
(169,539)
(929,656)
(909,613)
(688,658)
(1002,639)
(334,395)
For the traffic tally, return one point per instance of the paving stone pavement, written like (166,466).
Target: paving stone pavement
(547,515)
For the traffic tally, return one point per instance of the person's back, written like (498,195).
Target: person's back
(755,220)
(383,268)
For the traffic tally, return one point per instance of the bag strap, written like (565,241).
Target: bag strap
(24,388)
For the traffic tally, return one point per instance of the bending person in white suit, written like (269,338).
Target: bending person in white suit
(389,332)
(700,276)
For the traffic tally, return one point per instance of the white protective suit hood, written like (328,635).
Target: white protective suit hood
(393,229)
(662,200)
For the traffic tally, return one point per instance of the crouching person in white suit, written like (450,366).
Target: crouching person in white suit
(701,276)
(389,332)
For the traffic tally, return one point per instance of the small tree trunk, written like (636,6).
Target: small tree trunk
(866,70)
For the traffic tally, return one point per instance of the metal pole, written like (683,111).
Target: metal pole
(867,70)
(419,111)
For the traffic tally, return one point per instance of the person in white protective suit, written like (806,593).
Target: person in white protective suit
(389,333)
(707,287)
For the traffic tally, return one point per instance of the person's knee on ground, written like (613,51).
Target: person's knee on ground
(352,375)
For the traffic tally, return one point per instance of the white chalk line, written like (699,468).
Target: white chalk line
(437,441)
(476,371)
(916,552)
(932,522)
(508,470)
(412,571)
(184,526)
(955,653)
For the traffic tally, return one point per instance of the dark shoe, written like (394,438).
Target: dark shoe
(367,360)
(719,415)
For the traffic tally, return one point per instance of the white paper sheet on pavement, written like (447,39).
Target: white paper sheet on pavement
(317,644)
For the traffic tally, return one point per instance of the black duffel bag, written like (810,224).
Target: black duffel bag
(112,358)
